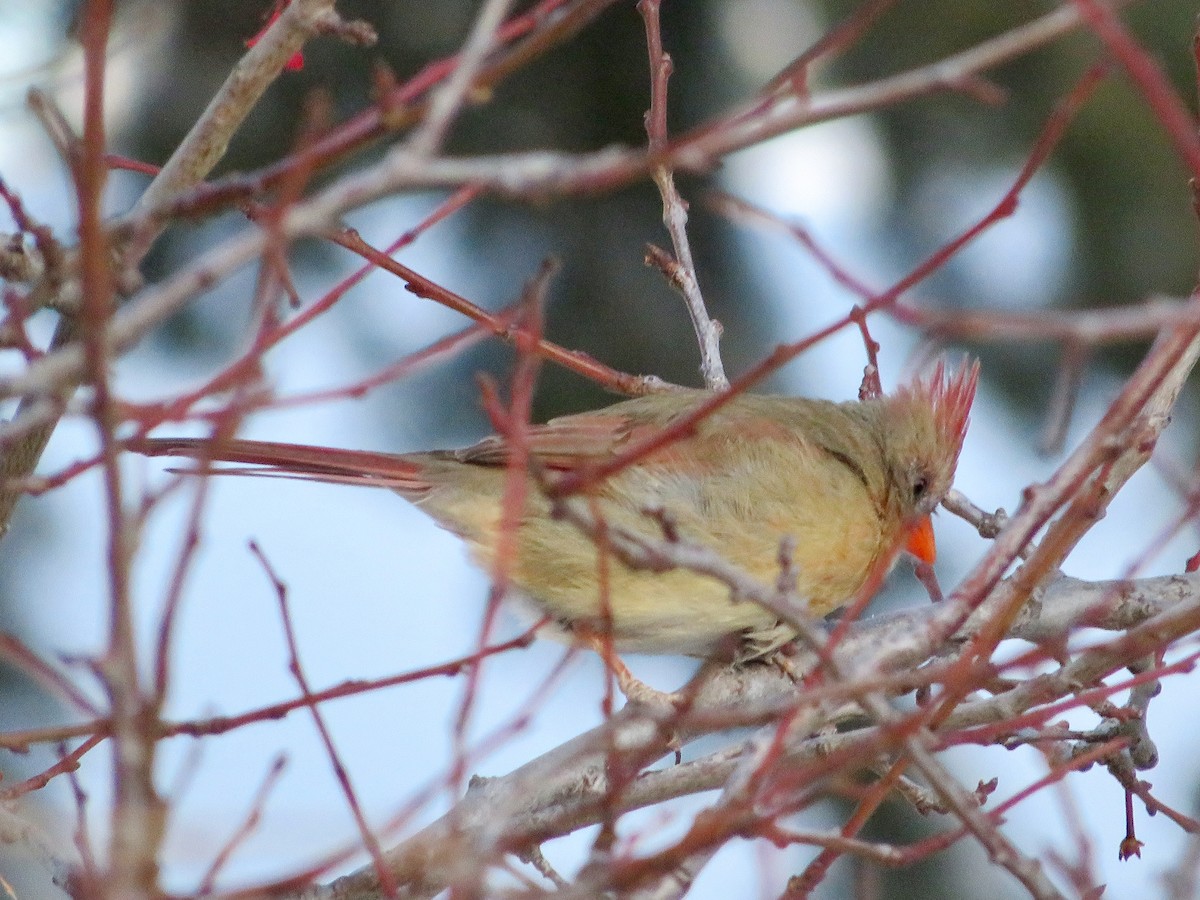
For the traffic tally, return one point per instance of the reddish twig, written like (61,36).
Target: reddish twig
(515,422)
(68,762)
(1160,97)
(574,360)
(795,76)
(343,777)
(245,829)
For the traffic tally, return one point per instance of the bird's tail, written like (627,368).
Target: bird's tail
(310,463)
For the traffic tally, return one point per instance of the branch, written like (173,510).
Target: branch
(680,271)
(206,142)
(565,789)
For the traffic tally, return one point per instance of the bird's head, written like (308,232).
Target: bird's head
(922,430)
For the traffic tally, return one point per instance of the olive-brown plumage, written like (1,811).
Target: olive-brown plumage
(847,482)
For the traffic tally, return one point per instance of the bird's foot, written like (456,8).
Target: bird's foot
(633,688)
(765,644)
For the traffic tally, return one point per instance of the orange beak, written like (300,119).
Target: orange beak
(918,540)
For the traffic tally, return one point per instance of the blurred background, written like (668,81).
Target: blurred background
(376,589)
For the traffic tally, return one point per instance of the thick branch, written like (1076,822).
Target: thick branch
(565,789)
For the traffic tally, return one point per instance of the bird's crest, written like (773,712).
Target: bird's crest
(950,396)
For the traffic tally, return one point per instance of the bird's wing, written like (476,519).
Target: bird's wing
(589,438)
(563,443)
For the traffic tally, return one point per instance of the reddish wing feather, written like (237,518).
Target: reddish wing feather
(564,443)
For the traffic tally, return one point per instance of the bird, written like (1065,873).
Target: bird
(848,485)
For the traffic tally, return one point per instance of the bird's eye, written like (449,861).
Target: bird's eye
(919,487)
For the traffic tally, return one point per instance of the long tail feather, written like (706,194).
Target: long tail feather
(327,464)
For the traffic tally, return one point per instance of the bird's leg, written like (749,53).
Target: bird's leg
(634,689)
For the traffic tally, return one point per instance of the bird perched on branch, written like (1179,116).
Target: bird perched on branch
(849,485)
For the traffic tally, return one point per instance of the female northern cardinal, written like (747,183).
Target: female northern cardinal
(849,483)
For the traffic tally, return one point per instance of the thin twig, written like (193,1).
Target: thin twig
(680,271)
(370,841)
(447,100)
